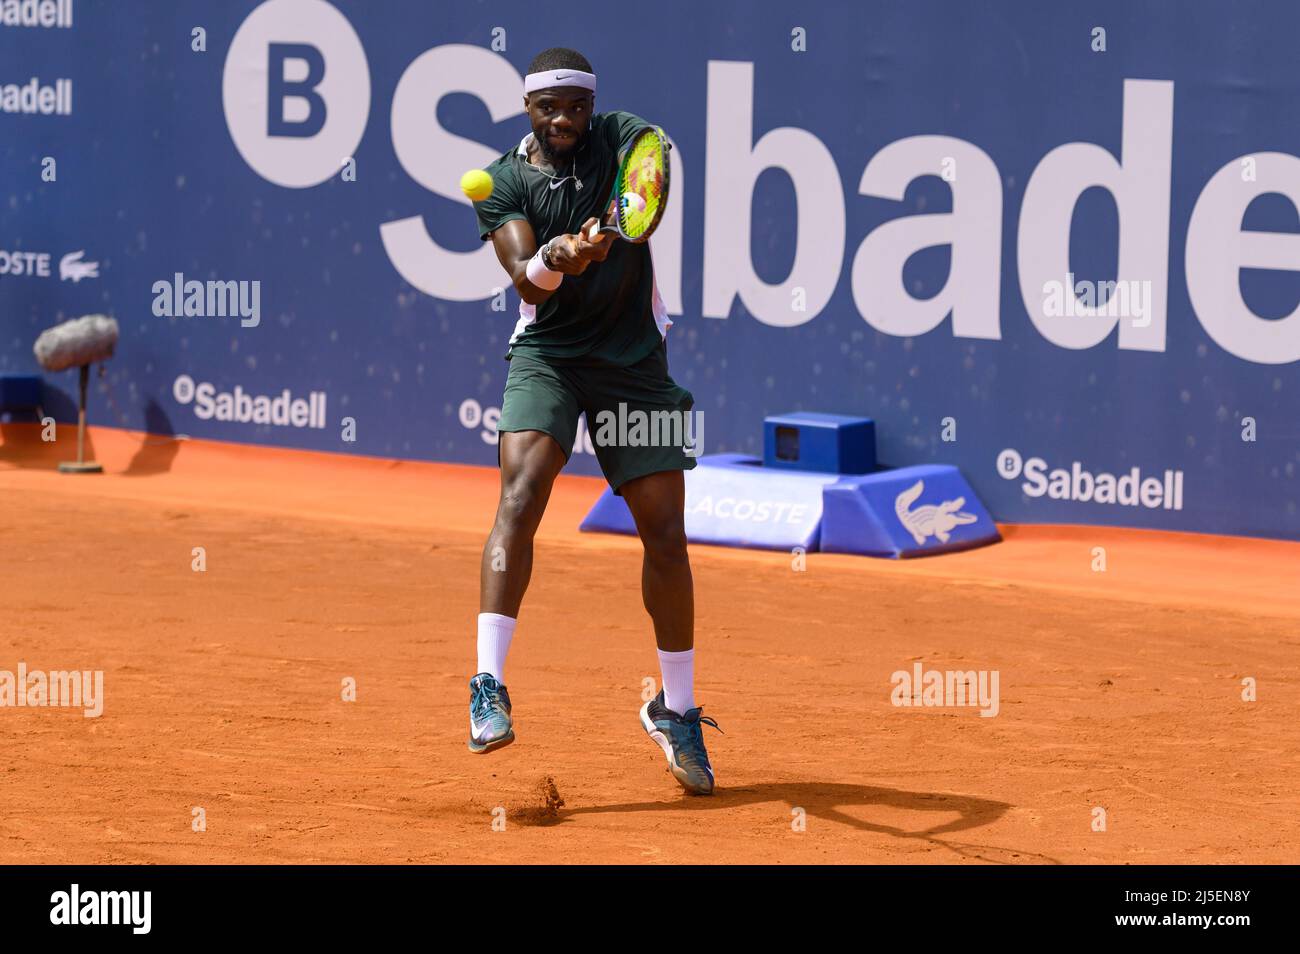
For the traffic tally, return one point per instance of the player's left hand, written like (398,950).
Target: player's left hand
(596,251)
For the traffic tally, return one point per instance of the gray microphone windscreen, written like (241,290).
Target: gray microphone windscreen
(76,342)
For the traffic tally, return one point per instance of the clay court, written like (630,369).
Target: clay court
(1119,689)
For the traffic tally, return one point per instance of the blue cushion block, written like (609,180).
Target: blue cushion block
(823,443)
(731,500)
(20,390)
(906,512)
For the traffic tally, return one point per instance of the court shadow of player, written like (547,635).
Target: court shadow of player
(826,801)
(158,448)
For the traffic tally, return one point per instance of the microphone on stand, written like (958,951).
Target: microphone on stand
(78,344)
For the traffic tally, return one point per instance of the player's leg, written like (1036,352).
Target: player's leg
(530,462)
(538,423)
(672,719)
(657,502)
(649,477)
(646,467)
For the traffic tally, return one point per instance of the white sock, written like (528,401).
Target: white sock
(494,634)
(678,670)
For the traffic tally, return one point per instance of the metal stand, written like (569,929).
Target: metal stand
(82,466)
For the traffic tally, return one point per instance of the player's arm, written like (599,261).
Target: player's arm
(537,273)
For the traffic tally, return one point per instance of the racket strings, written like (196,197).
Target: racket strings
(642,176)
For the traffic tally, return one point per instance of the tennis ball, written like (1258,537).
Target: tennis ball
(476,184)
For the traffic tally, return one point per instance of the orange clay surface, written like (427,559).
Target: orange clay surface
(223,689)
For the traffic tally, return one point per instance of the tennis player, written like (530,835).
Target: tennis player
(591,336)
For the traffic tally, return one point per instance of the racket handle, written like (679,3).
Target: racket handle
(593,233)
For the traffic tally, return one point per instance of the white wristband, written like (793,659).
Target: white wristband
(540,275)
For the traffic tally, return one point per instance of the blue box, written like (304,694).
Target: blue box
(20,391)
(825,443)
(906,512)
(732,500)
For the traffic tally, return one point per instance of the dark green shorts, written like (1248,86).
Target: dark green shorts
(639,420)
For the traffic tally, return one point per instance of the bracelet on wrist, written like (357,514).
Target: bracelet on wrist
(541,274)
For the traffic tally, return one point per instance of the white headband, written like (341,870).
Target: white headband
(536,81)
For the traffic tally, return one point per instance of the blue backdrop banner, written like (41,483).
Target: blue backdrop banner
(1053,244)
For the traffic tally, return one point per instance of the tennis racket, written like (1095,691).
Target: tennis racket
(640,193)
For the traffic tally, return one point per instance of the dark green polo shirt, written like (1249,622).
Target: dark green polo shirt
(606,315)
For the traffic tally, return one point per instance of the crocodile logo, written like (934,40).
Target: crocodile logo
(929,520)
(72,267)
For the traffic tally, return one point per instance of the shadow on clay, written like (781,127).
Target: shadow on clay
(826,801)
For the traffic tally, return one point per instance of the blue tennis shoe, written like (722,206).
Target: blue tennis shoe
(489,714)
(682,739)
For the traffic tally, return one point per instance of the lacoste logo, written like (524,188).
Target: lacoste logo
(72,267)
(929,520)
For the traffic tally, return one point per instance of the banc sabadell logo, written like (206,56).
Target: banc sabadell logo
(242,407)
(296,93)
(55,14)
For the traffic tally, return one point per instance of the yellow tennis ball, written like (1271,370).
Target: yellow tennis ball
(476,184)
